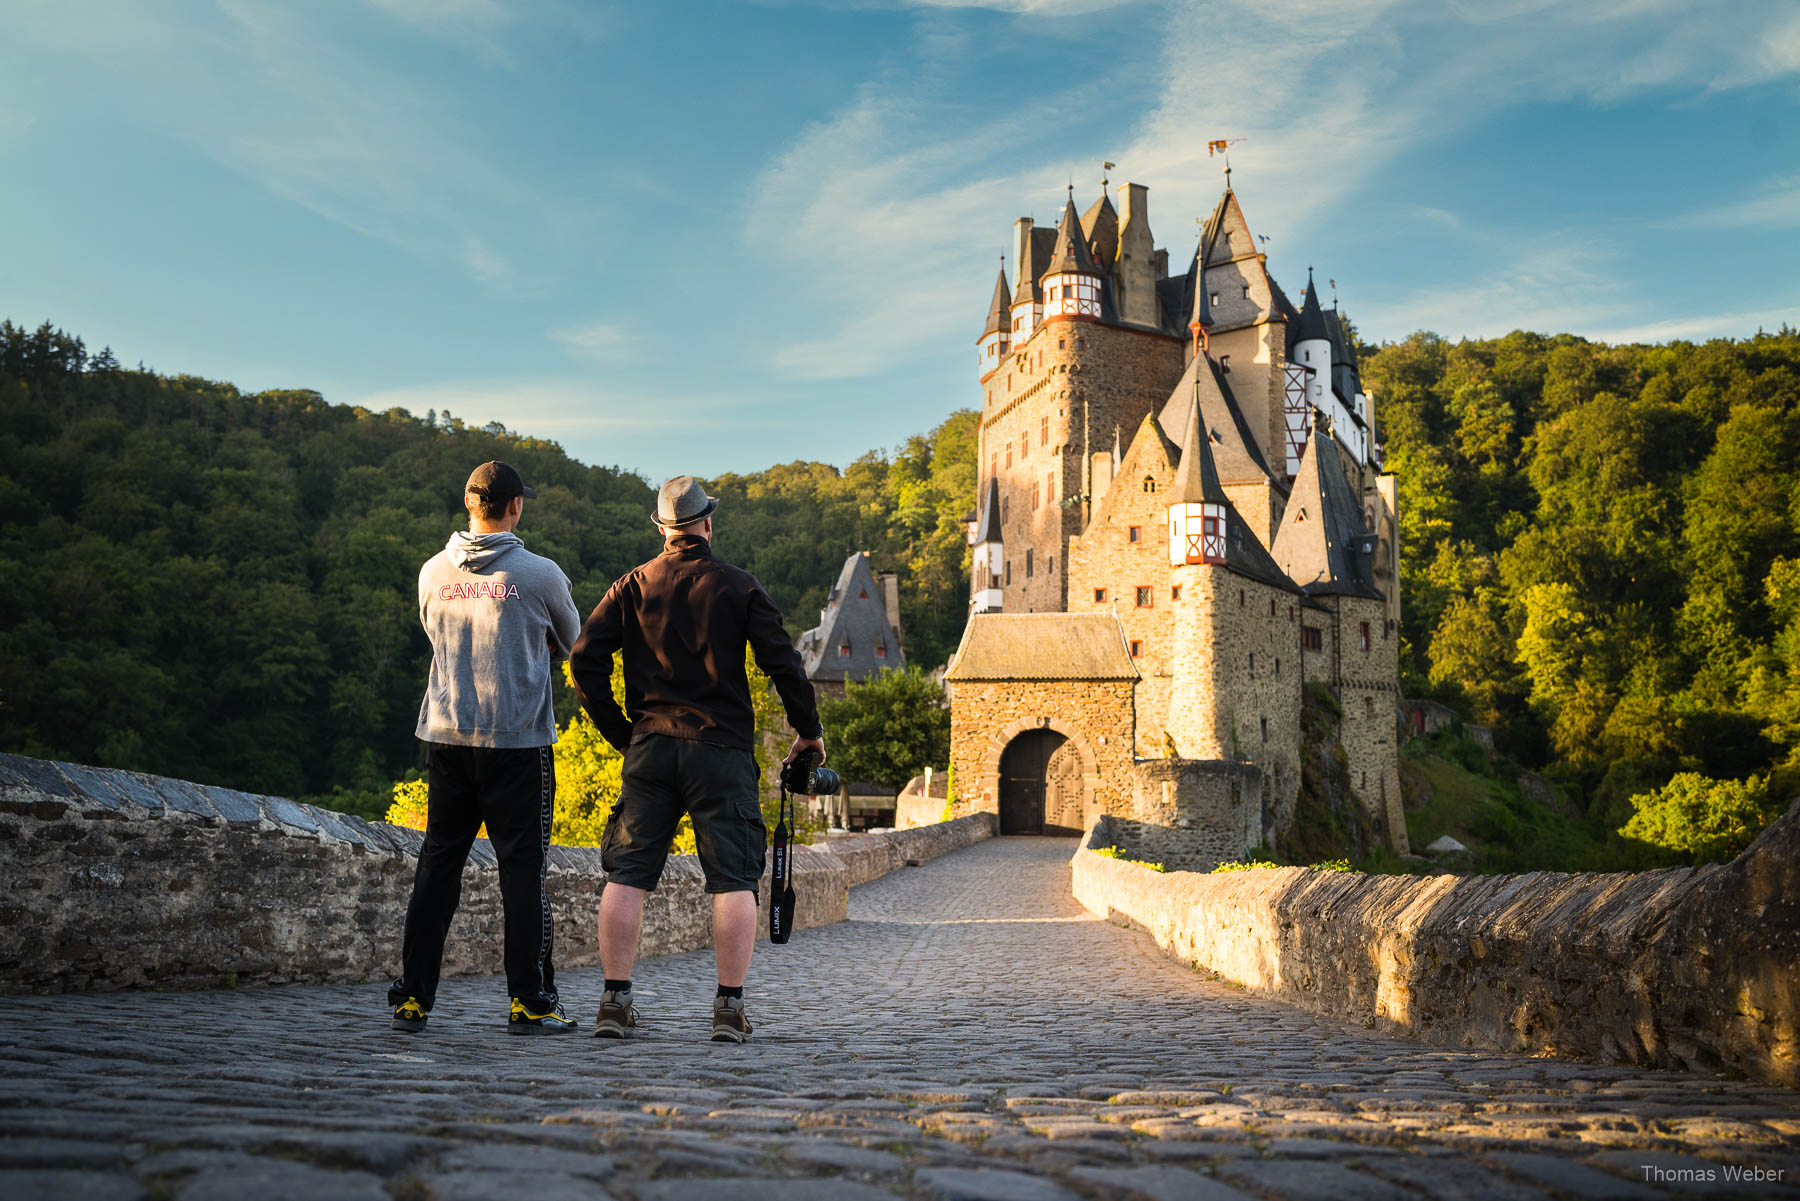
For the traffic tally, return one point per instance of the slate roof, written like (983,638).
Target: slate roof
(1233,447)
(1196,478)
(1042,646)
(1323,542)
(987,528)
(1312,318)
(999,312)
(1071,252)
(1101,224)
(855,614)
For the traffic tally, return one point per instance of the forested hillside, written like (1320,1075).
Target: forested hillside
(1600,548)
(220,586)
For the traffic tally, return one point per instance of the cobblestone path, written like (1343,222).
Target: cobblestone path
(969,1033)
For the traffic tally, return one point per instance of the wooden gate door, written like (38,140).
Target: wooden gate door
(1024,772)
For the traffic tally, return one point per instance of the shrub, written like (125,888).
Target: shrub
(1239,866)
(1709,820)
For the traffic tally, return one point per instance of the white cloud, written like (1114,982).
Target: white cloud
(289,98)
(1775,206)
(893,209)
(599,341)
(1694,329)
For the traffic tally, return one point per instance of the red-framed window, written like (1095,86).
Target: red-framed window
(844,649)
(1044,432)
(1134,534)
(1311,638)
(1174,592)
(1099,596)
(1145,596)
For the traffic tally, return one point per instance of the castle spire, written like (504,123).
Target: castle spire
(1071,253)
(1312,317)
(1197,477)
(1001,308)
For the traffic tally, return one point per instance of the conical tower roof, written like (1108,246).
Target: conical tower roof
(1201,313)
(1100,224)
(1323,544)
(1233,448)
(1196,476)
(1312,318)
(998,312)
(987,526)
(1071,252)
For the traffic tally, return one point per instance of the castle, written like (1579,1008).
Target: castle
(1182,520)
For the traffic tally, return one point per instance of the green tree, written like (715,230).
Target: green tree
(889,728)
(1702,819)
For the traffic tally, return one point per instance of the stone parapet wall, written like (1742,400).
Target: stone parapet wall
(1191,815)
(118,880)
(869,857)
(1683,967)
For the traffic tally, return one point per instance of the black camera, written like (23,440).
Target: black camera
(804,776)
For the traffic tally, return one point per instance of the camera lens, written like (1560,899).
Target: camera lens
(825,780)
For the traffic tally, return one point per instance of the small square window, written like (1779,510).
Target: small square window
(1174,592)
(1137,648)
(1144,593)
(1135,534)
(1062,344)
(1099,596)
(844,649)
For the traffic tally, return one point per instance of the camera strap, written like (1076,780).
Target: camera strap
(781,873)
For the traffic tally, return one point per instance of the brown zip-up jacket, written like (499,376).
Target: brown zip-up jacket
(680,624)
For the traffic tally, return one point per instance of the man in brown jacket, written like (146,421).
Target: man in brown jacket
(680,625)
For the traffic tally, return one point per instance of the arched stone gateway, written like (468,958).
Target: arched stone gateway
(1042,785)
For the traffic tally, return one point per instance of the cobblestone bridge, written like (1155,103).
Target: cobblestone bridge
(969,1033)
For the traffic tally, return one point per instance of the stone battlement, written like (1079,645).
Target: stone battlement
(120,880)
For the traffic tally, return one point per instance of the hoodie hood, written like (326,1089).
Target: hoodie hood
(479,552)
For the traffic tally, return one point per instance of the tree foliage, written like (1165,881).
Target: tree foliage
(220,586)
(1597,551)
(1703,819)
(888,728)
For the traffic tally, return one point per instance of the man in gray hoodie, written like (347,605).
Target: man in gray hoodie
(498,617)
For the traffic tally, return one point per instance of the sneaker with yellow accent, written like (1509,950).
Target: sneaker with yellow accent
(523,1021)
(410,1016)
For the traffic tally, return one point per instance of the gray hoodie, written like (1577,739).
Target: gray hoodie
(498,616)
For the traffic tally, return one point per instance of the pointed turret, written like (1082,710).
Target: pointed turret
(1071,252)
(1198,508)
(988,566)
(996,335)
(1001,308)
(1100,228)
(1312,317)
(1197,477)
(1323,544)
(1071,282)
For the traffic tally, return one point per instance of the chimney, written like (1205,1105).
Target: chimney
(1021,256)
(890,598)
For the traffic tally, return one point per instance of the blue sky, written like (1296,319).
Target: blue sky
(712,237)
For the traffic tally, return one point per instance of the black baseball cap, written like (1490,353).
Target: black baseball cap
(497,483)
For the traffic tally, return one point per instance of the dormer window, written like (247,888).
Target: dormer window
(1149,483)
(881,649)
(844,649)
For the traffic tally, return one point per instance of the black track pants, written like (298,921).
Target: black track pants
(513,790)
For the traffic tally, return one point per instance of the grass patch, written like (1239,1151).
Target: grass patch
(1504,830)
(1122,857)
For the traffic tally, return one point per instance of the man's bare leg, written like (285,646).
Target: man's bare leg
(621,917)
(734,935)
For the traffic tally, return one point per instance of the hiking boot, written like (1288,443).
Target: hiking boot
(729,1025)
(523,1021)
(410,1016)
(618,1016)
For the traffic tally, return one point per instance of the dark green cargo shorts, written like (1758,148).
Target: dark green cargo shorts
(715,785)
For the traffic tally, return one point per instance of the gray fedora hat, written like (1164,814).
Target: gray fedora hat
(682,502)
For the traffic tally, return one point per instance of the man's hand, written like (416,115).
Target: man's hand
(802,745)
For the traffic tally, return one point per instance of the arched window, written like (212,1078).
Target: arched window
(1149,483)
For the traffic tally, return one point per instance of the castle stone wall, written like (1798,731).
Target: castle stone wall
(1685,967)
(1191,815)
(120,880)
(1084,379)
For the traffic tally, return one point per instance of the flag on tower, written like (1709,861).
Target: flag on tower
(1220,145)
